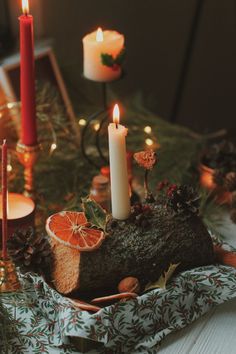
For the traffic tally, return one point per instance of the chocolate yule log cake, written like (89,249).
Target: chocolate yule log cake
(90,260)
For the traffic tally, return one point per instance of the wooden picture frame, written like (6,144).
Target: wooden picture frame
(46,69)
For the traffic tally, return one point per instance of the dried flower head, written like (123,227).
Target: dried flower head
(146,159)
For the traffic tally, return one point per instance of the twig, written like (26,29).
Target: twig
(146,188)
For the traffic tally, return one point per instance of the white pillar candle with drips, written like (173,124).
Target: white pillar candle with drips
(120,199)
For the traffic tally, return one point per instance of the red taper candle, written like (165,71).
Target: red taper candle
(4,200)
(27,78)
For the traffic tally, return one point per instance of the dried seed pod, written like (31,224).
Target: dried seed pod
(129,284)
(84,305)
(111,298)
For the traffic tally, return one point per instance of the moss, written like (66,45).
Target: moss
(144,253)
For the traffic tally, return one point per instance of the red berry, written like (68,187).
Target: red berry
(171,189)
(146,209)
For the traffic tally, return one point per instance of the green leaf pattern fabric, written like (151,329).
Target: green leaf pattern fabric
(43,319)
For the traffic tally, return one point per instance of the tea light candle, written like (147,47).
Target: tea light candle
(120,199)
(20,212)
(97,43)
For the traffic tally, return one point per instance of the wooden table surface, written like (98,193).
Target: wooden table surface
(214,333)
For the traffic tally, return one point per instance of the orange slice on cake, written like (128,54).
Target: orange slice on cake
(73,229)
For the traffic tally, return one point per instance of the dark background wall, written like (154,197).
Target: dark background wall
(156,33)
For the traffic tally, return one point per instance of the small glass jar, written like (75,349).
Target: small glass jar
(100,192)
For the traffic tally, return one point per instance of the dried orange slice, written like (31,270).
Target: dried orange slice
(72,229)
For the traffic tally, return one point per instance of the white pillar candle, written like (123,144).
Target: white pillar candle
(120,199)
(94,45)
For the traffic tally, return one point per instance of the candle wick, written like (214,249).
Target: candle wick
(116,125)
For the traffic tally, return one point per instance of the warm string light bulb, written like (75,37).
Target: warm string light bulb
(9,168)
(147,129)
(149,142)
(82,122)
(96,127)
(9,165)
(99,35)
(10,105)
(25,7)
(53,148)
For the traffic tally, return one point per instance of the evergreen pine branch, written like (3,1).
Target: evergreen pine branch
(211,212)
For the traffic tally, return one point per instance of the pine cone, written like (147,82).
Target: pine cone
(30,251)
(230,181)
(140,214)
(184,199)
(218,177)
(221,156)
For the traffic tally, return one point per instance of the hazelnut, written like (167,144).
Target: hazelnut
(129,284)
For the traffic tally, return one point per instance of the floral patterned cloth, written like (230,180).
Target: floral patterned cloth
(42,320)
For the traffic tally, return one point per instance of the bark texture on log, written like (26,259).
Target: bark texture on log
(144,253)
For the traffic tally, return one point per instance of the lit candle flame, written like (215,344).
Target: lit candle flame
(116,114)
(25,7)
(99,35)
